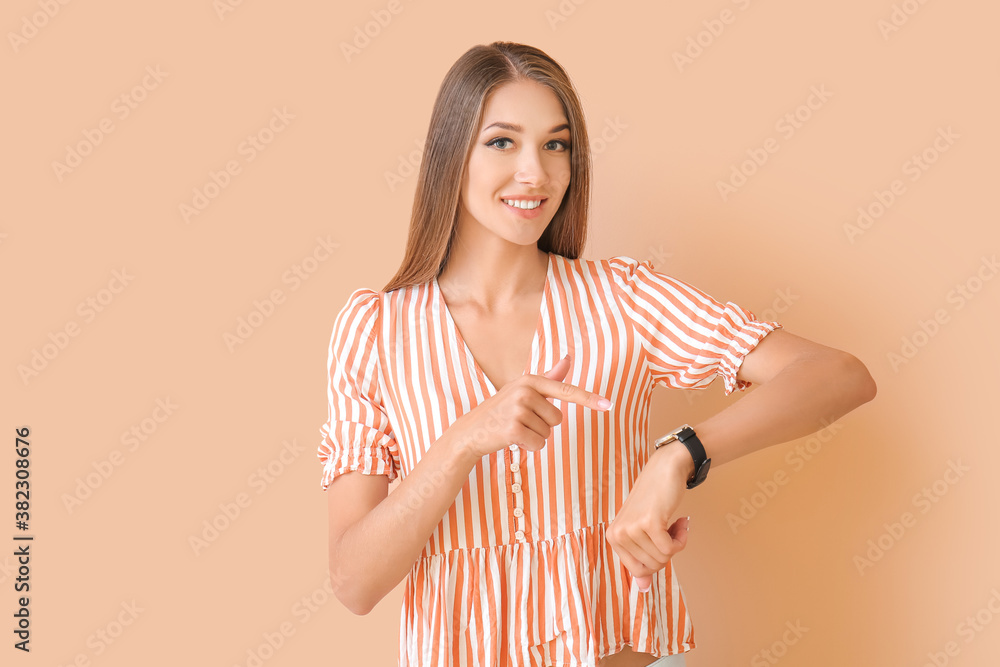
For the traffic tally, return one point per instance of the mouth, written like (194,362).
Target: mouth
(524,204)
(525,207)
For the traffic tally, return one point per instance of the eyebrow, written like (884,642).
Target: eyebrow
(511,127)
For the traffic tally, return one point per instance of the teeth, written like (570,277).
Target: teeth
(521,203)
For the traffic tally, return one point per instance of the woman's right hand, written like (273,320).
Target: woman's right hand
(521,412)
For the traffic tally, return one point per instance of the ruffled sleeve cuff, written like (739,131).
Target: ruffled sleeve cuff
(357,436)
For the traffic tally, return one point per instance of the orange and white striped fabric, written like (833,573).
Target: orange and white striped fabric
(518,572)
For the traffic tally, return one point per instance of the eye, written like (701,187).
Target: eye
(497,140)
(559,145)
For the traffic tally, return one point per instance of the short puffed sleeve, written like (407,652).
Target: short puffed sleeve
(688,336)
(357,435)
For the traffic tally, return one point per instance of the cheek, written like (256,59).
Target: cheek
(477,176)
(470,185)
(562,176)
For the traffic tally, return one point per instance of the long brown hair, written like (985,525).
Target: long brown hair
(455,120)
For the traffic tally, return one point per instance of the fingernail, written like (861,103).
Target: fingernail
(644,590)
(567,356)
(604,404)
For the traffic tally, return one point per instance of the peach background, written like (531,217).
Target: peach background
(777,243)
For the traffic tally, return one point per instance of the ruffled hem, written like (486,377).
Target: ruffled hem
(357,435)
(749,332)
(370,453)
(564,601)
(621,647)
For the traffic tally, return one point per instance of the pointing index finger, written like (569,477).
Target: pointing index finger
(568,392)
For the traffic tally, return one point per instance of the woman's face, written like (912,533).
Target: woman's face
(520,157)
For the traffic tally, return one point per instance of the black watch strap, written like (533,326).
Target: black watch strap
(702,463)
(687,437)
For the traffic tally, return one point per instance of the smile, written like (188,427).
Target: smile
(523,203)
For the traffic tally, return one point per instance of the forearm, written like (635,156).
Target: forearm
(375,553)
(802,398)
(802,386)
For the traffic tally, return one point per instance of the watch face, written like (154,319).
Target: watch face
(670,437)
(676,432)
(664,440)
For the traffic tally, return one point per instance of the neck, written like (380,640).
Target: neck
(493,278)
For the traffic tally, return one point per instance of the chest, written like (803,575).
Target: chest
(501,343)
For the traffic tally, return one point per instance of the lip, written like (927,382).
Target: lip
(525,213)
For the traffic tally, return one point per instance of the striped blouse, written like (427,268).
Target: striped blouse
(518,572)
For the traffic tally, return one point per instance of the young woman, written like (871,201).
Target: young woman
(507,383)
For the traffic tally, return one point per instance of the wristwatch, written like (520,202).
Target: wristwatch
(686,435)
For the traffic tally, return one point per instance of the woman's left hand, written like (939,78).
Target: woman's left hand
(641,533)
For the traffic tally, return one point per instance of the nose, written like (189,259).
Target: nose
(530,168)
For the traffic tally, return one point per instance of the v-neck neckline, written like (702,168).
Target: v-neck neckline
(539,325)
